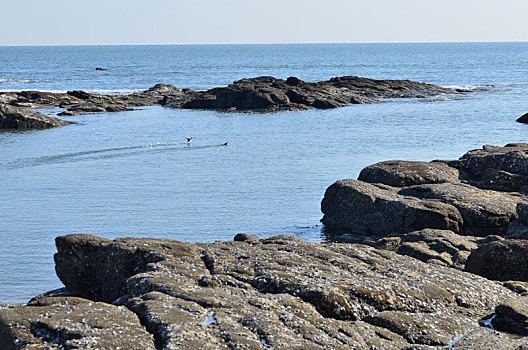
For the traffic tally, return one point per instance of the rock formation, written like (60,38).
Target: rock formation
(20,118)
(451,273)
(251,293)
(262,93)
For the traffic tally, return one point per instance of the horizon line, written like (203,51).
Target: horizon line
(276,43)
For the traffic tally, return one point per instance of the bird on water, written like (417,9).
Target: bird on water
(225,144)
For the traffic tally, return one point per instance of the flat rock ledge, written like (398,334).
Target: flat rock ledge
(261,93)
(251,293)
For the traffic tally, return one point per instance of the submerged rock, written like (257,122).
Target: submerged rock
(20,118)
(253,293)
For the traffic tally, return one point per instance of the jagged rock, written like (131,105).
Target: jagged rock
(498,168)
(261,93)
(269,93)
(406,173)
(364,208)
(22,118)
(512,316)
(500,260)
(71,323)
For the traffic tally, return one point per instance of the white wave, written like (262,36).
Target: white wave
(12,80)
(98,91)
(467,87)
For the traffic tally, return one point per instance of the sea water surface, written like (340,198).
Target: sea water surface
(102,176)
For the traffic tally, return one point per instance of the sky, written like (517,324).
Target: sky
(103,22)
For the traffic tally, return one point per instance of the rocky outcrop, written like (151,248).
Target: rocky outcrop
(19,118)
(269,93)
(262,93)
(252,293)
(480,194)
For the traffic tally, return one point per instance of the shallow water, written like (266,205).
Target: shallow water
(102,176)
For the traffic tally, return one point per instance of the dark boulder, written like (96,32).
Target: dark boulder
(363,208)
(523,119)
(19,118)
(407,173)
(503,260)
(512,316)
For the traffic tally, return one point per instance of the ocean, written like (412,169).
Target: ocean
(101,175)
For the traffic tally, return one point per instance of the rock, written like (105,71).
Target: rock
(269,93)
(406,173)
(363,208)
(523,119)
(71,323)
(440,246)
(261,93)
(517,230)
(486,338)
(498,168)
(19,118)
(473,196)
(484,212)
(500,260)
(512,316)
(277,292)
(517,287)
(522,212)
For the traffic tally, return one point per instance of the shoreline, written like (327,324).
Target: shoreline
(461,219)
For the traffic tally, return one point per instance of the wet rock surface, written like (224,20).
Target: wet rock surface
(20,118)
(253,293)
(261,93)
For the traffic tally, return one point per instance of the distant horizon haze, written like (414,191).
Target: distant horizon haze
(170,22)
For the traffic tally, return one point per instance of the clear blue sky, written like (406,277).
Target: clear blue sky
(79,22)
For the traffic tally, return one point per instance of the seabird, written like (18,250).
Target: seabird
(225,144)
(189,139)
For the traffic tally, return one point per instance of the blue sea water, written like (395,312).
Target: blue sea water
(101,176)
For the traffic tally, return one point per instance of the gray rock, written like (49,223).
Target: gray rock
(364,208)
(500,260)
(277,292)
(484,212)
(405,173)
(71,323)
(20,118)
(512,316)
